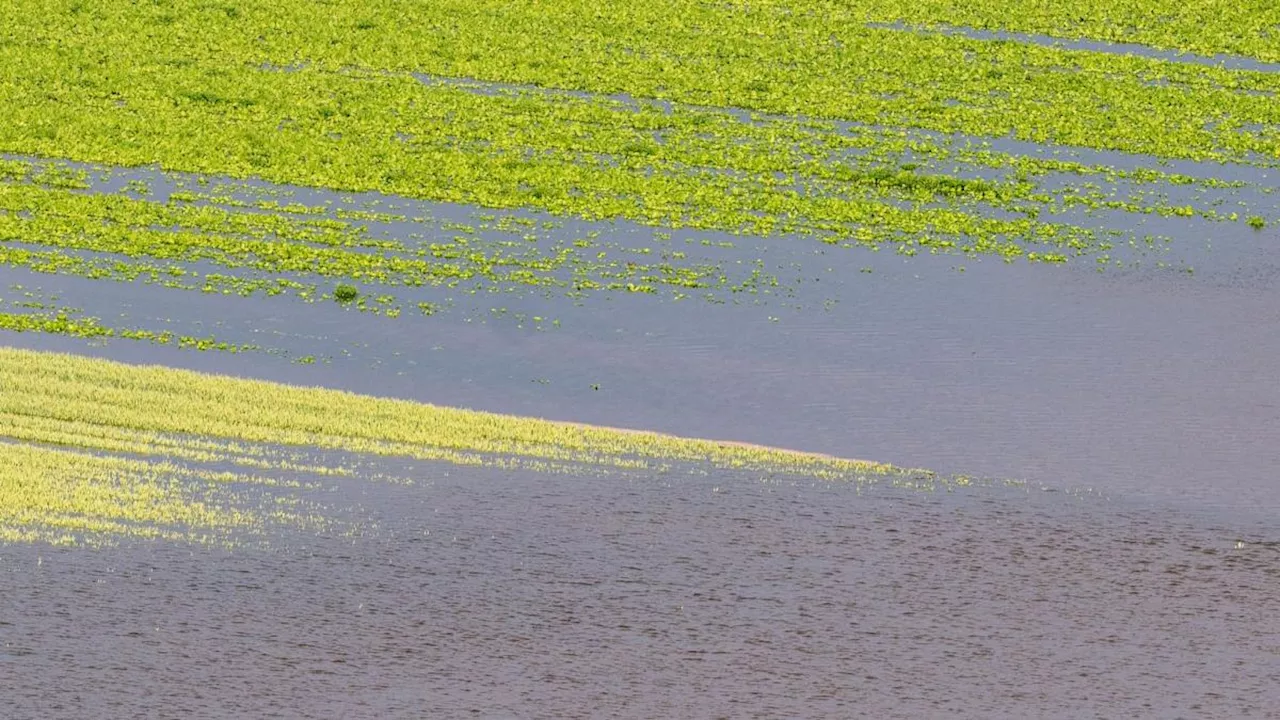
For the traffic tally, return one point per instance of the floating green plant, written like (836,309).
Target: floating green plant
(345,293)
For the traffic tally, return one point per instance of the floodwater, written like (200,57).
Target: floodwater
(1134,575)
(491,594)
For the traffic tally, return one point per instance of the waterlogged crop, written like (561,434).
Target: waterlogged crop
(22,317)
(93,448)
(807,119)
(74,389)
(251,239)
(773,117)
(60,495)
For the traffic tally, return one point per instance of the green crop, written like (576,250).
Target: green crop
(1208,27)
(715,116)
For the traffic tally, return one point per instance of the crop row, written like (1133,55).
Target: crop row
(72,389)
(145,436)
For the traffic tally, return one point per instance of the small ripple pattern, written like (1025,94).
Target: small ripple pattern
(490,594)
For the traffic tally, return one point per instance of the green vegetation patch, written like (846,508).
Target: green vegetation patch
(770,117)
(1247,28)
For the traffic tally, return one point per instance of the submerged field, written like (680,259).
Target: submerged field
(255,258)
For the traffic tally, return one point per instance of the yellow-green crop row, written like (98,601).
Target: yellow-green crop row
(64,496)
(93,449)
(153,399)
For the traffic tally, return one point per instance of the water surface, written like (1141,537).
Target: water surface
(491,594)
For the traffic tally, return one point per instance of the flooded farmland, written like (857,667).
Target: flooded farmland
(347,376)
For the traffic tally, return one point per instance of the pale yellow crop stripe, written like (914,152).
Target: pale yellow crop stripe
(93,450)
(61,495)
(77,389)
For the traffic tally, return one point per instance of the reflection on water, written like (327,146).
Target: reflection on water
(497,595)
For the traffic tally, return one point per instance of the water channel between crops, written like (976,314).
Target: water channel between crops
(1133,573)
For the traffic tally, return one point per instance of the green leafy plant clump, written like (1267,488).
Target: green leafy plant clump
(345,293)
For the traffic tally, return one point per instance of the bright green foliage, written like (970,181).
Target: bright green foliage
(1208,27)
(379,96)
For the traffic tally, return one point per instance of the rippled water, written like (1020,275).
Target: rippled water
(488,594)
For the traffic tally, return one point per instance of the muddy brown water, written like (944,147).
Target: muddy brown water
(1134,576)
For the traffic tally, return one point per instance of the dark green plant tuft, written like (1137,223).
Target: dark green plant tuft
(345,293)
